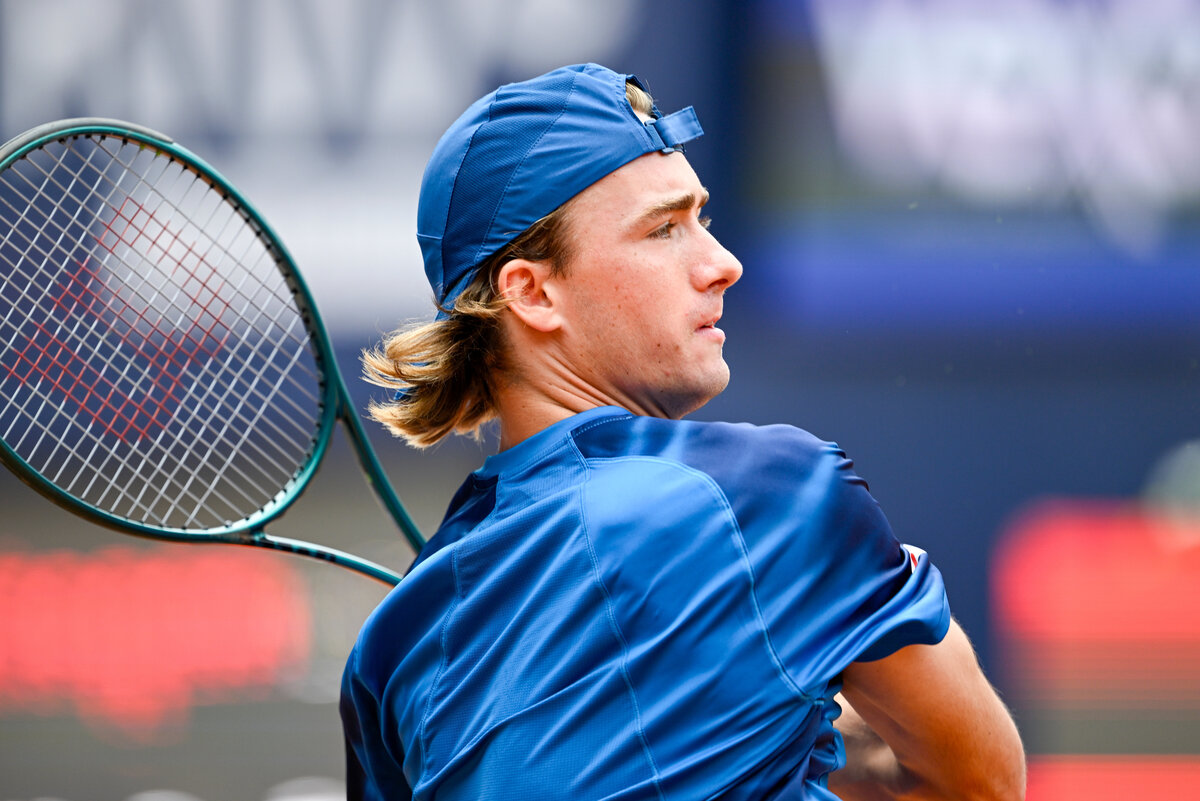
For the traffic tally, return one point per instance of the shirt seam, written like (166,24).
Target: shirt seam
(656,776)
(443,636)
(743,550)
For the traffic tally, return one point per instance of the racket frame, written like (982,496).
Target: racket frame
(335,401)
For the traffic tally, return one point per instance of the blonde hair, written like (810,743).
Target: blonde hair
(446,371)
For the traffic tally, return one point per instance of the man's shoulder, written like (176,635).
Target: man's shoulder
(712,447)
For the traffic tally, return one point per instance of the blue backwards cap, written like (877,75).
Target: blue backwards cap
(522,151)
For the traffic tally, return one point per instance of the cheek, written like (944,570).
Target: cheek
(646,288)
(629,302)
(612,303)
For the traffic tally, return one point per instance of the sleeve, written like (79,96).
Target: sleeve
(371,773)
(833,583)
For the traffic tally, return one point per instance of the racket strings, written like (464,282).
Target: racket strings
(155,363)
(155,324)
(239,258)
(127,238)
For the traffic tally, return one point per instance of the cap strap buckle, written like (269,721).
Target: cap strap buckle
(671,131)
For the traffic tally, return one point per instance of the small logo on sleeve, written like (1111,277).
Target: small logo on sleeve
(915,555)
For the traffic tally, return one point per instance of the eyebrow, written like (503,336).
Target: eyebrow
(671,205)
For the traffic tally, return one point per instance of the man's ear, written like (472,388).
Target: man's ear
(524,283)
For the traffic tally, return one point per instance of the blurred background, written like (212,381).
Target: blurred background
(971,234)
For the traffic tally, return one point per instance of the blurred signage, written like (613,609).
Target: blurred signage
(1033,104)
(1097,607)
(132,638)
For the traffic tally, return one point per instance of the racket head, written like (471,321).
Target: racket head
(163,368)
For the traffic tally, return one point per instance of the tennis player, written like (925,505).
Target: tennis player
(621,604)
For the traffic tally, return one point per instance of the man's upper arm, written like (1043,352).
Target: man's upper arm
(951,735)
(371,773)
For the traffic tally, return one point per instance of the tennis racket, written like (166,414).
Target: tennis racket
(163,368)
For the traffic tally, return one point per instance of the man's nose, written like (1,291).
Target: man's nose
(721,268)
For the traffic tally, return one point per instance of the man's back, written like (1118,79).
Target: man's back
(629,607)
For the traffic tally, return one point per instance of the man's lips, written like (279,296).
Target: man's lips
(709,328)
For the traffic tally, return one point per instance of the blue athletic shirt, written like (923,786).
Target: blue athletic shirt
(623,607)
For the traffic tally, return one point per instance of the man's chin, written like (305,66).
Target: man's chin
(685,404)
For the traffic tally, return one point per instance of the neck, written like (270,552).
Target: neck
(538,388)
(542,387)
(522,417)
(525,409)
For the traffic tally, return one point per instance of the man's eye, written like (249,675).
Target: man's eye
(663,231)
